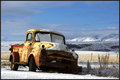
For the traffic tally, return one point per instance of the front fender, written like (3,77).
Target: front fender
(39,56)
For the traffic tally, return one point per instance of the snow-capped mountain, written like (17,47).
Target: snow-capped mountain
(96,38)
(83,39)
(102,35)
(101,40)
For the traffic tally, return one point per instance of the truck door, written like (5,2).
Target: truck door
(27,47)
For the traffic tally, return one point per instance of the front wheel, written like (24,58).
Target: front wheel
(13,66)
(32,66)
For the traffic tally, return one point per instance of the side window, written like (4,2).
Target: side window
(29,37)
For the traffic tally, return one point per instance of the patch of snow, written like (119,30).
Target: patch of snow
(4,60)
(89,39)
(111,39)
(83,39)
(6,73)
(57,46)
(73,53)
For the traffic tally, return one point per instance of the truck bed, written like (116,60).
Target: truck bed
(16,47)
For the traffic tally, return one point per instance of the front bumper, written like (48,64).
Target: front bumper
(57,59)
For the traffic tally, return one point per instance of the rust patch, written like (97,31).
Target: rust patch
(16,48)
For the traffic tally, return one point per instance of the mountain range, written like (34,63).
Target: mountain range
(99,40)
(108,35)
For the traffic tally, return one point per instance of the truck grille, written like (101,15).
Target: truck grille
(58,55)
(66,62)
(60,61)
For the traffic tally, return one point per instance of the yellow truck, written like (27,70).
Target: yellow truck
(43,50)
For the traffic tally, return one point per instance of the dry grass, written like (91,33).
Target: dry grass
(5,55)
(82,57)
(94,58)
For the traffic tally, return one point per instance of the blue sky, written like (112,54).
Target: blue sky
(60,16)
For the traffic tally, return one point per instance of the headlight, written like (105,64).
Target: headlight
(46,45)
(43,46)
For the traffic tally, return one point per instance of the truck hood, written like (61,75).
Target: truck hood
(61,47)
(55,46)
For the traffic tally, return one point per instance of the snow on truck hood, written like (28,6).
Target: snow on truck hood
(63,47)
(58,46)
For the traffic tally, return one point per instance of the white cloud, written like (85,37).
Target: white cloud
(60,26)
(19,27)
(28,8)
(15,27)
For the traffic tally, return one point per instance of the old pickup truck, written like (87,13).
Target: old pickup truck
(43,49)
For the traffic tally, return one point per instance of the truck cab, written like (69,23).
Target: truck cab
(43,49)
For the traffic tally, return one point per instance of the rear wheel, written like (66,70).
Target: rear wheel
(32,65)
(13,66)
(75,70)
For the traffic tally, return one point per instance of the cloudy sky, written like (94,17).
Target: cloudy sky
(62,16)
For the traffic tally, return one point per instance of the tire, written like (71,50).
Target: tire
(72,70)
(80,68)
(32,65)
(13,66)
(75,70)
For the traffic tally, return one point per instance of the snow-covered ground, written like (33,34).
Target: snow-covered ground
(23,73)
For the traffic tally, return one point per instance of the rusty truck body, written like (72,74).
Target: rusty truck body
(43,49)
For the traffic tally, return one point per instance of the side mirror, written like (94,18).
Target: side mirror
(10,49)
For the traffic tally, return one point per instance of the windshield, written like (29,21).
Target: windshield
(46,36)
